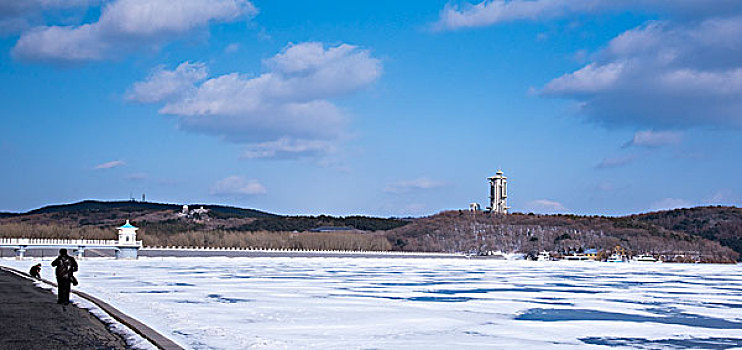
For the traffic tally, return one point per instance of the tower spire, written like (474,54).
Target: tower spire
(498,193)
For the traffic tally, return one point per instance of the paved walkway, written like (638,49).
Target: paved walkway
(9,277)
(30,318)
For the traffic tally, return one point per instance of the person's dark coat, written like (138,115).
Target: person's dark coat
(35,271)
(65,267)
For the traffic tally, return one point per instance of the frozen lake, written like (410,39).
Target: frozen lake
(360,303)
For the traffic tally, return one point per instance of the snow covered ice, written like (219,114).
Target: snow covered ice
(389,303)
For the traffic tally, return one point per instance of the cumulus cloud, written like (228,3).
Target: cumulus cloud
(288,148)
(111,164)
(663,74)
(650,138)
(680,72)
(669,203)
(164,85)
(546,206)
(126,24)
(237,186)
(614,162)
(490,12)
(17,16)
(413,185)
(282,113)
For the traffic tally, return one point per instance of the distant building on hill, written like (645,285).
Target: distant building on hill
(199,214)
(498,193)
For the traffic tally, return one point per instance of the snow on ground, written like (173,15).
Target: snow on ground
(359,303)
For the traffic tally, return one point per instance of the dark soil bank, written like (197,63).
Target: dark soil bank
(30,318)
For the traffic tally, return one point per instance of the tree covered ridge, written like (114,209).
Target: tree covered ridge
(306,223)
(709,233)
(717,223)
(477,233)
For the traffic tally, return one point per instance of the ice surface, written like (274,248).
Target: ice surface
(359,303)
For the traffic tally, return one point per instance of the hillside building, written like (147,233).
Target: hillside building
(498,193)
(127,234)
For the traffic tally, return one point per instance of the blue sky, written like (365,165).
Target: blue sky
(391,108)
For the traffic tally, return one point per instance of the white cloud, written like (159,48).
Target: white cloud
(135,177)
(237,186)
(164,85)
(232,48)
(663,74)
(546,206)
(669,203)
(614,162)
(413,185)
(125,25)
(111,164)
(18,15)
(723,197)
(680,72)
(490,12)
(288,148)
(650,138)
(590,78)
(284,112)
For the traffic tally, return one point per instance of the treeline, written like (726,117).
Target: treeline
(273,240)
(721,224)
(306,223)
(478,233)
(51,231)
(214,238)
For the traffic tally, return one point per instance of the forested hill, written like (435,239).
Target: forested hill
(703,233)
(163,219)
(136,206)
(707,233)
(720,224)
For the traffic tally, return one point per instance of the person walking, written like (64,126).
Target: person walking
(66,266)
(35,271)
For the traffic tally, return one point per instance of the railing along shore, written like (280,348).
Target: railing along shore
(62,242)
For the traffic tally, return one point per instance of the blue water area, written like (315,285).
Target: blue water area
(664,316)
(536,301)
(726,305)
(219,298)
(440,299)
(413,284)
(693,343)
(421,298)
(513,289)
(573,277)
(190,272)
(181,284)
(639,302)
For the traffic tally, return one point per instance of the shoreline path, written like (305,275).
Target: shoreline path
(30,318)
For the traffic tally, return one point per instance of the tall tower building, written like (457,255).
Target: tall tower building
(498,193)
